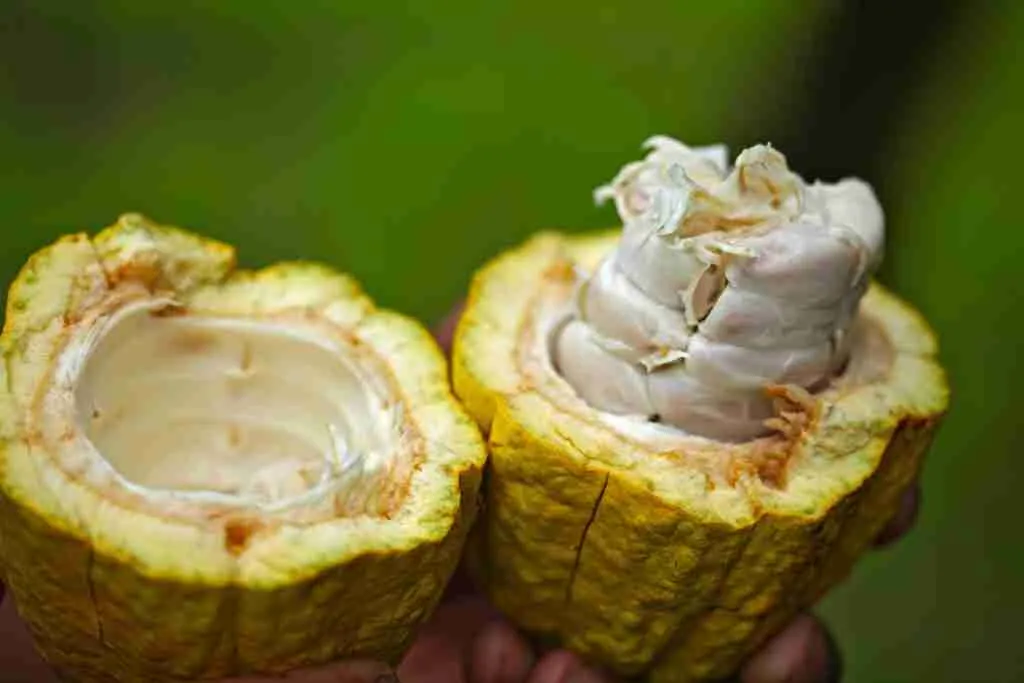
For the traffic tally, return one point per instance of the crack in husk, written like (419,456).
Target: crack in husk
(90,567)
(583,538)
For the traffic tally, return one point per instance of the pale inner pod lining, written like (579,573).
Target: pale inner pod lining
(228,411)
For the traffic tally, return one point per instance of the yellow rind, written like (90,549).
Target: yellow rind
(592,543)
(114,594)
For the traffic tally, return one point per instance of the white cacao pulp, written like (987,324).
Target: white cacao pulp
(726,282)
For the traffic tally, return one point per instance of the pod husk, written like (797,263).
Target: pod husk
(111,593)
(631,557)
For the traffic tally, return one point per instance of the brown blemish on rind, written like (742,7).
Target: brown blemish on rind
(562,270)
(238,532)
(797,414)
(797,410)
(145,274)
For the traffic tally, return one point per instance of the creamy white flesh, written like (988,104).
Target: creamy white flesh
(223,411)
(724,282)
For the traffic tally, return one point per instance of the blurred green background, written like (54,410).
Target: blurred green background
(407,142)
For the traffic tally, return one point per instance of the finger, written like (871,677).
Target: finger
(564,667)
(444,332)
(440,653)
(903,520)
(342,672)
(19,660)
(500,655)
(803,653)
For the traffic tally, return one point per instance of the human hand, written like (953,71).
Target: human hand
(467,641)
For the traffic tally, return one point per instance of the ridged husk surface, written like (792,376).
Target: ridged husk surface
(113,593)
(632,556)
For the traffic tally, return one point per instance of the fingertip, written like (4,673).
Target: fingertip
(499,655)
(441,650)
(562,666)
(901,522)
(804,652)
(553,667)
(833,657)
